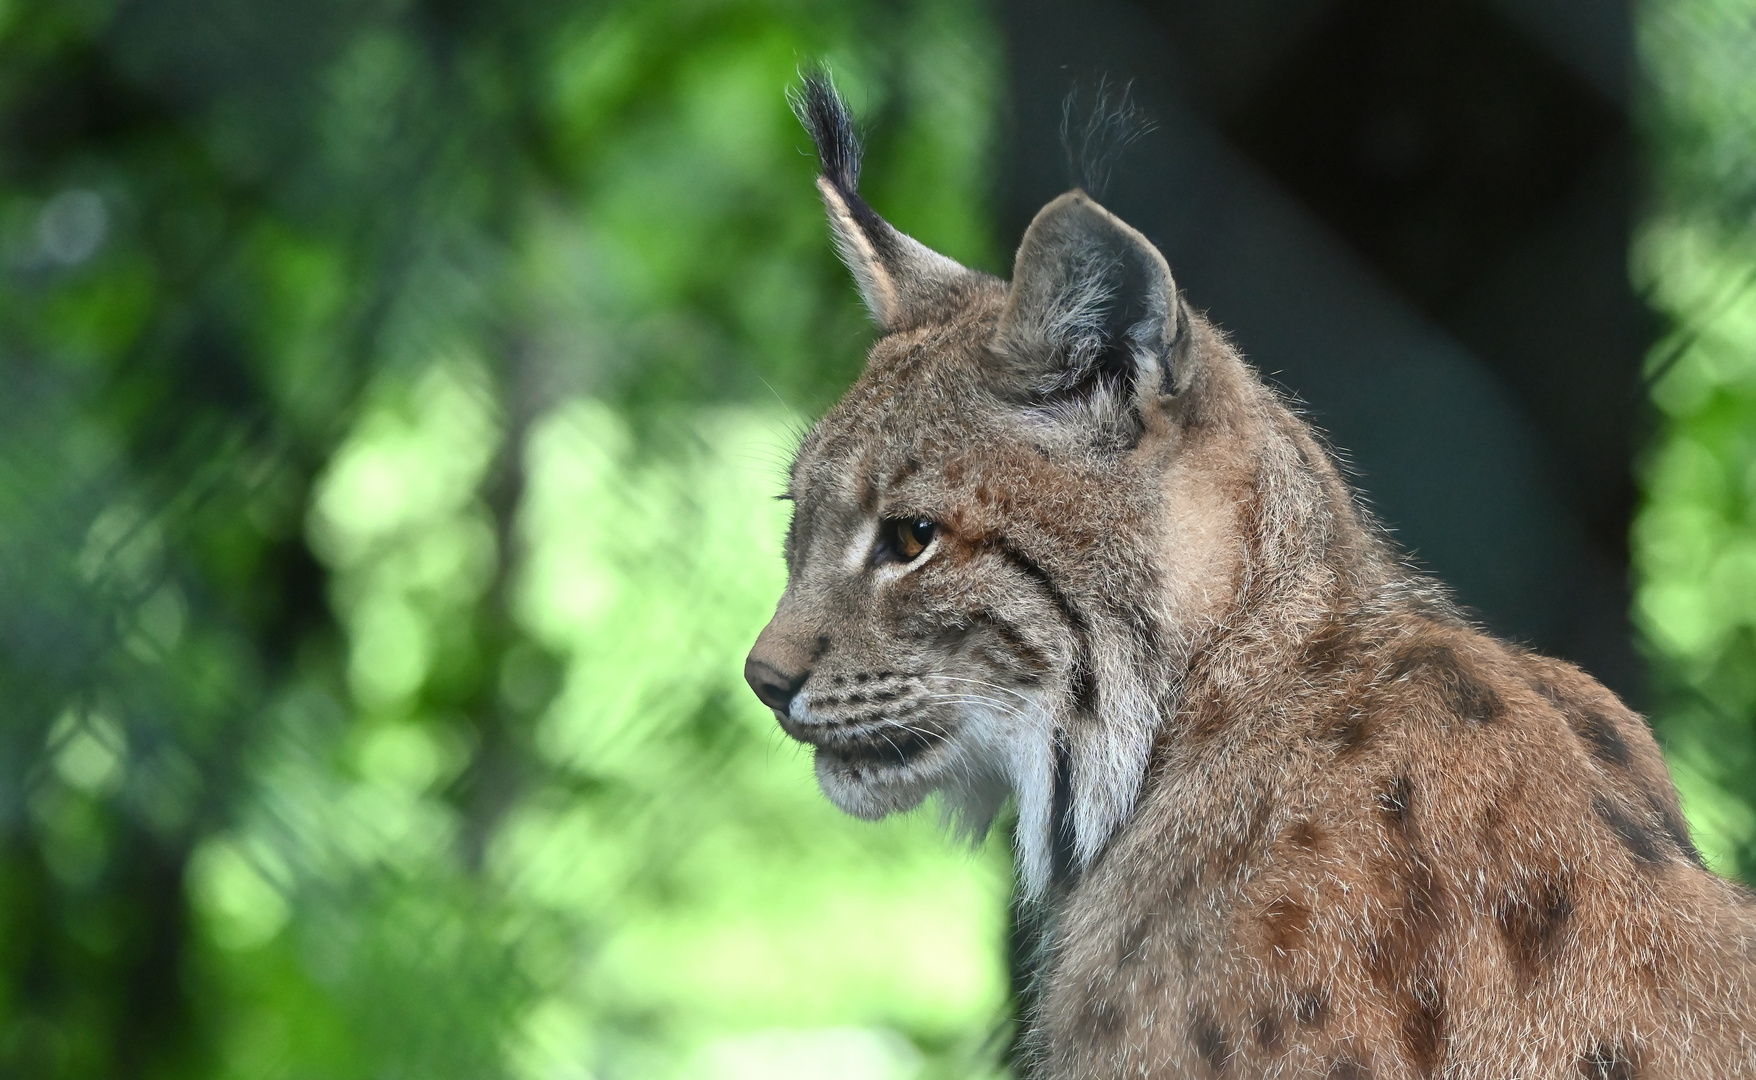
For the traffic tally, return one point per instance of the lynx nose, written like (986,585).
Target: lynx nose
(775,689)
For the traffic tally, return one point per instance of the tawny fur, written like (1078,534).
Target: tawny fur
(1282,811)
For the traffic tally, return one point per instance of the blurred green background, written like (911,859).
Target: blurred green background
(391,397)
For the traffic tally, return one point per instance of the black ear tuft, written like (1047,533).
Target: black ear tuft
(903,282)
(825,115)
(1095,143)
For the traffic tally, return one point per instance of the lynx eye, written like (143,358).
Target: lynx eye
(903,539)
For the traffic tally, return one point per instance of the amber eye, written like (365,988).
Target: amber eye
(903,539)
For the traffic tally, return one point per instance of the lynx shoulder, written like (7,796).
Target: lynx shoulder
(1281,811)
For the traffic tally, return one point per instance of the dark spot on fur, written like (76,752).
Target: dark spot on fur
(1132,943)
(879,697)
(907,469)
(1675,828)
(1255,513)
(1032,657)
(866,493)
(1393,801)
(1547,689)
(1416,657)
(1596,728)
(1606,1061)
(1464,694)
(1423,1022)
(1311,1007)
(860,678)
(1187,948)
(1269,1030)
(1286,921)
(1100,1019)
(1305,835)
(829,701)
(1406,941)
(820,647)
(1329,649)
(1186,879)
(1532,917)
(1633,835)
(1601,737)
(1254,828)
(1211,1041)
(1350,730)
(1472,699)
(1403,957)
(1346,1068)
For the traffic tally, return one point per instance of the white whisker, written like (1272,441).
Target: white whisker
(984,684)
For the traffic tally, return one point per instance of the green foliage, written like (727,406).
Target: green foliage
(394,394)
(1695,537)
(394,390)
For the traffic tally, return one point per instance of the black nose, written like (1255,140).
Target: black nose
(773,688)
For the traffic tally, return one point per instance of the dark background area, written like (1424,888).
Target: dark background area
(1415,218)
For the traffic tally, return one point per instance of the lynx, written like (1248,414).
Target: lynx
(1282,811)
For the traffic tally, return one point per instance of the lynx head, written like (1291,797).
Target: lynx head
(1008,533)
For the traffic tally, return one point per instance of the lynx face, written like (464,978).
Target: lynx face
(911,648)
(976,553)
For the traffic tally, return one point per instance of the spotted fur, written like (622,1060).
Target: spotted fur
(1281,812)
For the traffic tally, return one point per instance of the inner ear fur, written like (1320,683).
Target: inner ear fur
(904,282)
(1093,313)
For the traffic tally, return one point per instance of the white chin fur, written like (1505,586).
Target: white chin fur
(998,748)
(1009,748)
(866,792)
(1014,743)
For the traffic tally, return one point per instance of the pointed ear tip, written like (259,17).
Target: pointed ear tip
(1075,214)
(1073,205)
(1077,205)
(834,197)
(1071,212)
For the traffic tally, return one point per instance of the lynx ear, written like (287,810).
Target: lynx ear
(1093,322)
(904,282)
